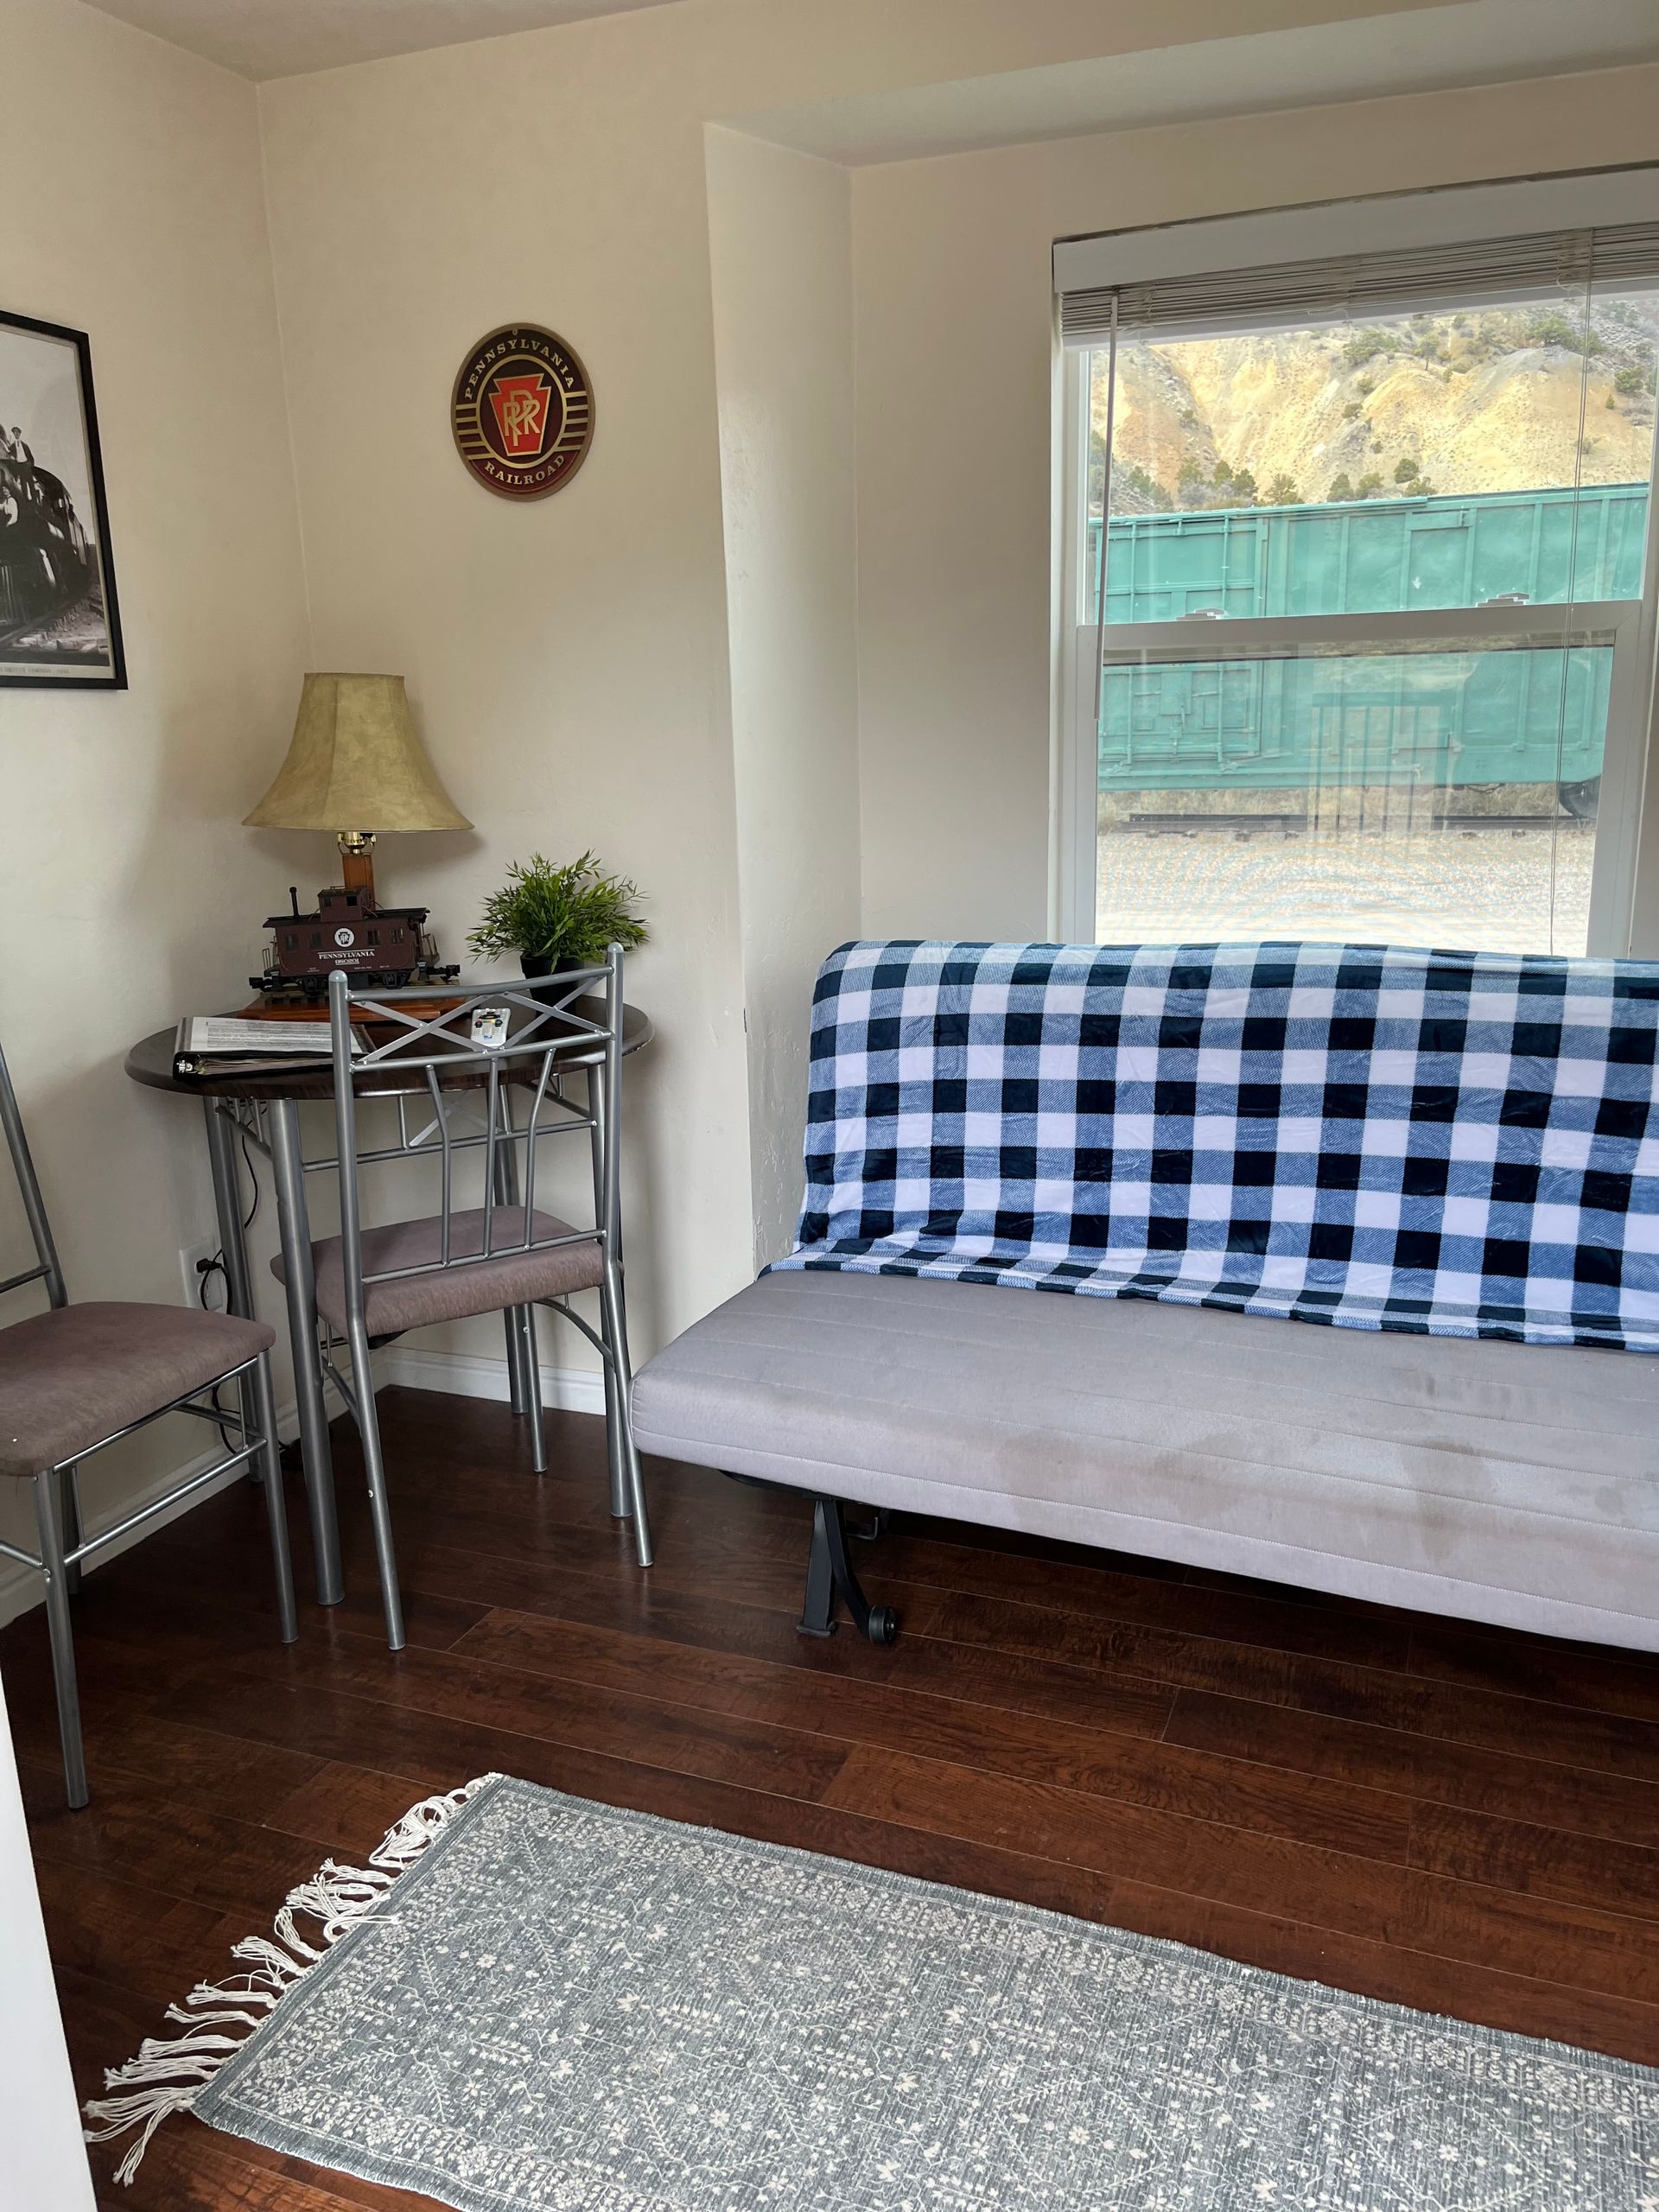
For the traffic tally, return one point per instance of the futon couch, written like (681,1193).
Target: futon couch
(1334,1265)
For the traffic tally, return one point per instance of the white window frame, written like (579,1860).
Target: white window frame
(1632,709)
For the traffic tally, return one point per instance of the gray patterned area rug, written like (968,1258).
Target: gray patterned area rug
(527,2000)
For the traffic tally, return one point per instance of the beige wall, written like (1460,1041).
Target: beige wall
(567,657)
(130,175)
(571,660)
(780,240)
(957,478)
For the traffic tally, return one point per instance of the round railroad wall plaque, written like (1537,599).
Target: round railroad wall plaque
(523,412)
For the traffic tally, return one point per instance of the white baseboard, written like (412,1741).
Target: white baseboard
(20,1587)
(473,1374)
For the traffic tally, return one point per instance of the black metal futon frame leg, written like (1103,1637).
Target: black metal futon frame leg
(830,1574)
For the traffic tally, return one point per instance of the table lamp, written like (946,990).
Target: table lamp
(357,768)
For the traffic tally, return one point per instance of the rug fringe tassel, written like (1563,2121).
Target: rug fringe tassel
(169,2073)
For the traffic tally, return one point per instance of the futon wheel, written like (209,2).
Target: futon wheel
(883,1624)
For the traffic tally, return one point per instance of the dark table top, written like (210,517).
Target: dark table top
(150,1062)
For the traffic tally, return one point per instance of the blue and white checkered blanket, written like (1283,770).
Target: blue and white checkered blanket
(1453,1144)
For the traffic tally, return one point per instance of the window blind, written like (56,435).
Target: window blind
(1545,264)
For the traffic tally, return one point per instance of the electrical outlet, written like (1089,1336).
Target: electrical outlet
(198,1272)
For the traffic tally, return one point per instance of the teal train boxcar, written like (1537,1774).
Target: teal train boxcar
(1446,719)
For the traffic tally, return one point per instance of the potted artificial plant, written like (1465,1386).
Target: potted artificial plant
(559,918)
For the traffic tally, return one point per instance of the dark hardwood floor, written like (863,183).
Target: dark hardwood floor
(1455,1818)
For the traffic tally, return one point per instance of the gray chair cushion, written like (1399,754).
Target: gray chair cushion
(1508,1483)
(451,1294)
(71,1377)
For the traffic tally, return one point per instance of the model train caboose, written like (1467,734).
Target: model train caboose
(383,946)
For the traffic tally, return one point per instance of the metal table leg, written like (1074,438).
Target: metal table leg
(621,1505)
(227,1208)
(505,1171)
(288,1174)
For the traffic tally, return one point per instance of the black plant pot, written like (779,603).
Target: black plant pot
(539,964)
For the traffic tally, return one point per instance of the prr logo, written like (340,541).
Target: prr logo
(343,938)
(521,407)
(523,412)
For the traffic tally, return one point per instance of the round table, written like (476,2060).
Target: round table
(231,1105)
(150,1062)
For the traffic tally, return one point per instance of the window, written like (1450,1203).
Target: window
(1370,651)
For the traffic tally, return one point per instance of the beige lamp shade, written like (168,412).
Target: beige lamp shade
(355,764)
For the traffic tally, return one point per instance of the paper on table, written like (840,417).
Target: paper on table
(221,1045)
(205,1036)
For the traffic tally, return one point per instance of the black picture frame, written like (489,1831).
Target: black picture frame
(60,621)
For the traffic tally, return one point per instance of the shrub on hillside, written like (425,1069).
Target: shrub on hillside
(1552,328)
(1130,477)
(1366,345)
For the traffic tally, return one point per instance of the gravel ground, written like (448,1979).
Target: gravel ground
(1497,889)
(77,631)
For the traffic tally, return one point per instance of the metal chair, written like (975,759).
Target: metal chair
(520,1040)
(78,1378)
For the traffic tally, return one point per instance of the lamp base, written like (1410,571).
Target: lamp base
(357,861)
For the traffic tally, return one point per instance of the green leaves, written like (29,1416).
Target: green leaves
(574,912)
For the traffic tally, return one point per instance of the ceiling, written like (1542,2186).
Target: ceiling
(285,38)
(1443,43)
(1437,47)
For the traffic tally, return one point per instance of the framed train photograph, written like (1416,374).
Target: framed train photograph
(59,624)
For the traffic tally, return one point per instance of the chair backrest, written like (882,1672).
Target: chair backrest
(478,1052)
(45,1268)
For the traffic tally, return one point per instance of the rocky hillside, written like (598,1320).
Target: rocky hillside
(1518,399)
